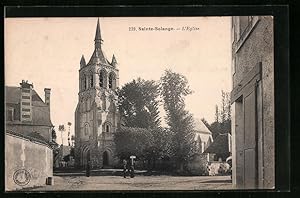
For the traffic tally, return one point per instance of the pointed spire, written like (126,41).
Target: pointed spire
(114,61)
(82,61)
(98,39)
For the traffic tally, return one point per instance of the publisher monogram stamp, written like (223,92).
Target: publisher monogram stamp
(21,177)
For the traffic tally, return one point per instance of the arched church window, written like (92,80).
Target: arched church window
(84,83)
(91,80)
(102,78)
(86,129)
(111,80)
(107,127)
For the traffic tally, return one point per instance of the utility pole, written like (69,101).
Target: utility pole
(69,124)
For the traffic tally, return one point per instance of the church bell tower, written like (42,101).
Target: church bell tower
(97,116)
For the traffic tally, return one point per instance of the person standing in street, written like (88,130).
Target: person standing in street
(124,167)
(88,169)
(131,169)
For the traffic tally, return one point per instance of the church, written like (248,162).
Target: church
(96,115)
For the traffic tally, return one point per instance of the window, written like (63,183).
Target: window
(86,129)
(91,80)
(10,114)
(111,81)
(107,127)
(243,28)
(25,116)
(25,97)
(84,84)
(102,78)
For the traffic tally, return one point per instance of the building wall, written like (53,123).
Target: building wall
(32,156)
(258,46)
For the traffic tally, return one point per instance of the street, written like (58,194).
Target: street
(78,183)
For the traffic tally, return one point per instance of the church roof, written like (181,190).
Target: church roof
(200,127)
(202,132)
(98,32)
(98,55)
(40,110)
(82,61)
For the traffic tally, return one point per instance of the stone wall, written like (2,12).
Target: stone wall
(34,157)
(259,47)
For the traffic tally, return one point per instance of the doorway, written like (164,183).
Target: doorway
(105,158)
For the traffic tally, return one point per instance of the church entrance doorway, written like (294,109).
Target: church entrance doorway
(105,159)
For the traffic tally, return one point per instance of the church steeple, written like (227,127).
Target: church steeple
(98,39)
(114,61)
(82,61)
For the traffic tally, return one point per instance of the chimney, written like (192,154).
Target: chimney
(47,96)
(26,101)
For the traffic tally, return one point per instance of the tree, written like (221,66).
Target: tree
(217,114)
(222,123)
(54,135)
(161,145)
(61,128)
(138,104)
(133,141)
(225,113)
(174,88)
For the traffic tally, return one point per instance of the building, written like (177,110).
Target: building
(26,112)
(221,147)
(96,115)
(203,135)
(61,153)
(252,100)
(28,138)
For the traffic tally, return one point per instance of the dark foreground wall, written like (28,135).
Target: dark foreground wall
(27,162)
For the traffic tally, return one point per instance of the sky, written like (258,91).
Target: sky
(47,53)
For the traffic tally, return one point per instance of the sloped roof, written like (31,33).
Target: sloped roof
(40,111)
(32,137)
(220,145)
(98,57)
(200,127)
(12,94)
(204,137)
(37,136)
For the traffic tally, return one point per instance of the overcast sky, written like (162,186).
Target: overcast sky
(47,52)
